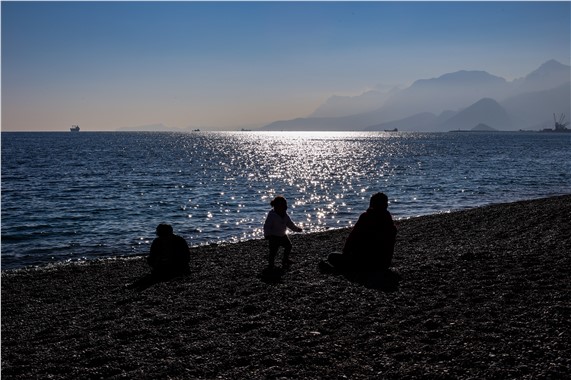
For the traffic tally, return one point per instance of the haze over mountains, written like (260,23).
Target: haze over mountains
(459,100)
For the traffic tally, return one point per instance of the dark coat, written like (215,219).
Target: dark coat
(370,243)
(169,255)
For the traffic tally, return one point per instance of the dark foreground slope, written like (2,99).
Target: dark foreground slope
(483,293)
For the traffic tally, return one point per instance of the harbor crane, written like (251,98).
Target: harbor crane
(561,124)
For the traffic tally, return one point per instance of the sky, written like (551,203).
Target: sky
(229,65)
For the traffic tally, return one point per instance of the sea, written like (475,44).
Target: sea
(69,197)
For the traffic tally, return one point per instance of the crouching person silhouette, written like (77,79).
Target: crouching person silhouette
(170,255)
(370,244)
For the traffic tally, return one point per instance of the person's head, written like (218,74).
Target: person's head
(164,230)
(379,201)
(279,204)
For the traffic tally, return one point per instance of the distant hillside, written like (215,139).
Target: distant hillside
(447,92)
(337,106)
(549,75)
(483,128)
(485,111)
(537,107)
(519,104)
(420,122)
(345,123)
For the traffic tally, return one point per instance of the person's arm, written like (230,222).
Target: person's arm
(292,226)
(391,226)
(354,236)
(152,259)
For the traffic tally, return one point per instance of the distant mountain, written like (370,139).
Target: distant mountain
(460,80)
(447,92)
(548,75)
(533,108)
(503,105)
(337,106)
(419,122)
(485,111)
(483,128)
(344,123)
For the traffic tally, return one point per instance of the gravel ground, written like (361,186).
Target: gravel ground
(481,293)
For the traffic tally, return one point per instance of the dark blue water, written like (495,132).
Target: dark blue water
(75,196)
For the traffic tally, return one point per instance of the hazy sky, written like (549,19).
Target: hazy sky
(106,65)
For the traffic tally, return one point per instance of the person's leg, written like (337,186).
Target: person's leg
(286,243)
(274,245)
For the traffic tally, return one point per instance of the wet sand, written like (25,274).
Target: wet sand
(481,293)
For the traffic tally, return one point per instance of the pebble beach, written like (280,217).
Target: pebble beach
(479,293)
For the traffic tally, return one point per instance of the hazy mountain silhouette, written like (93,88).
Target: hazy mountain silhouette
(549,75)
(421,122)
(337,106)
(344,123)
(447,92)
(532,108)
(483,128)
(485,111)
(504,105)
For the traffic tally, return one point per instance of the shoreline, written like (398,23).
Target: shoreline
(482,293)
(85,260)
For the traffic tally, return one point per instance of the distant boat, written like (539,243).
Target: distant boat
(74,128)
(391,130)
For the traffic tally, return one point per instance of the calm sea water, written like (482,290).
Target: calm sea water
(76,196)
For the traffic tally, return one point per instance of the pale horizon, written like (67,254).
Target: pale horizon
(212,65)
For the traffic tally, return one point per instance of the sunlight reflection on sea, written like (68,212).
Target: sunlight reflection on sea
(86,195)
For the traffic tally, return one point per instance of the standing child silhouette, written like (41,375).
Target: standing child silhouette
(275,227)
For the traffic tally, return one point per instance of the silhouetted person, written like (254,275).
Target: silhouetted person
(370,244)
(275,227)
(169,255)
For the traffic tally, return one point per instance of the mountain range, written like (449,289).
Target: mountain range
(454,101)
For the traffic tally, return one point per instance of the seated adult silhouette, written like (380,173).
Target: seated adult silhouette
(370,244)
(170,255)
